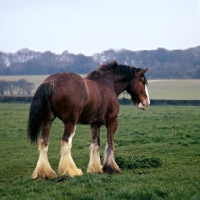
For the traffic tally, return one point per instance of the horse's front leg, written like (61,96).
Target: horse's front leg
(94,165)
(109,164)
(66,165)
(43,168)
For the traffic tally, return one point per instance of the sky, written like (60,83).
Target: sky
(89,27)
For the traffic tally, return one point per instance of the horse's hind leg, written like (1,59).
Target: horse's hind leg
(43,169)
(94,165)
(66,165)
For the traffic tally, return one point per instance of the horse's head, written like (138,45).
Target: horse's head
(137,88)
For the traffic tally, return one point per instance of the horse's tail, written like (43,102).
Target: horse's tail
(37,107)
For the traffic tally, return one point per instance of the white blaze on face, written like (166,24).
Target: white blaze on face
(147,93)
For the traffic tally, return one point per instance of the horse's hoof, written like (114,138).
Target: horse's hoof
(111,170)
(95,169)
(71,173)
(40,175)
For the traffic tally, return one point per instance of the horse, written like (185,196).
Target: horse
(75,100)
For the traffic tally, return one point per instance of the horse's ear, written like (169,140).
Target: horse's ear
(141,72)
(145,70)
(114,62)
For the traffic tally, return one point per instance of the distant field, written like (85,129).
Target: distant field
(37,80)
(185,89)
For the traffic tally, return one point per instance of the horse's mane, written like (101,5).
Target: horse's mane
(127,71)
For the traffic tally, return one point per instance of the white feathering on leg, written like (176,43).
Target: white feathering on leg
(94,165)
(66,165)
(43,168)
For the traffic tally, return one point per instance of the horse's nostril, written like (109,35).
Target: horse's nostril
(142,106)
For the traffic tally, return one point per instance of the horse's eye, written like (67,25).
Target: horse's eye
(142,79)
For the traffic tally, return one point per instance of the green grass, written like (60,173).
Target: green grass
(158,151)
(158,89)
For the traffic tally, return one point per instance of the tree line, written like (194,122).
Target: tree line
(20,87)
(162,63)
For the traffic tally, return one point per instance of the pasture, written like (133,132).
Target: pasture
(184,89)
(158,151)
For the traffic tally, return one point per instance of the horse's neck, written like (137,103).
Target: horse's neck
(118,85)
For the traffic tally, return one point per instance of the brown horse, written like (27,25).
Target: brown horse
(91,100)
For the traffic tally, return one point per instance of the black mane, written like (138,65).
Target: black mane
(123,70)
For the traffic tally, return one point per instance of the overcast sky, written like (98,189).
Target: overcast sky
(92,26)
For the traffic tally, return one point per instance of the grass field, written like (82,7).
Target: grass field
(162,144)
(158,89)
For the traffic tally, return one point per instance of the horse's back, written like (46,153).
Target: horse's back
(51,77)
(69,85)
(69,93)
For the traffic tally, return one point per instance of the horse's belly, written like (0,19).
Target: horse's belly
(90,119)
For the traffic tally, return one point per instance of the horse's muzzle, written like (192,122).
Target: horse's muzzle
(143,105)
